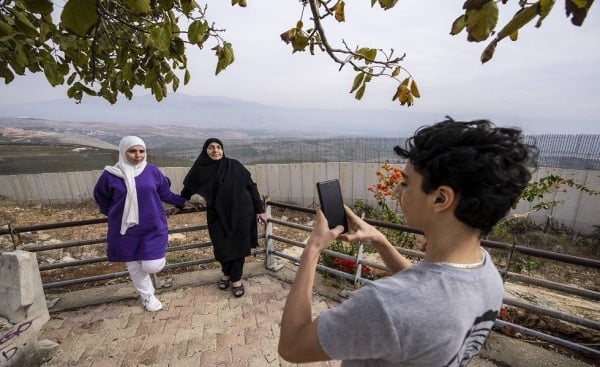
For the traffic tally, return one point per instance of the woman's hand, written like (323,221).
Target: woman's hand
(261,218)
(194,205)
(172,210)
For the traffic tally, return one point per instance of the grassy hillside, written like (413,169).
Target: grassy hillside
(18,158)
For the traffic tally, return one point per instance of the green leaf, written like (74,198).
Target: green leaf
(187,6)
(196,31)
(138,7)
(6,74)
(175,83)
(358,80)
(186,77)
(522,17)
(166,4)
(224,56)
(79,16)
(52,73)
(300,41)
(71,78)
(370,56)
(23,24)
(480,23)
(361,92)
(387,4)
(458,25)
(42,7)
(160,37)
(6,30)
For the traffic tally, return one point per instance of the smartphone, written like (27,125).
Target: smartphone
(332,203)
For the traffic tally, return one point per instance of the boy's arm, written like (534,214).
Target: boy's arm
(298,340)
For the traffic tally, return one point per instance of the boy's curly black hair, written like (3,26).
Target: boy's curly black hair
(487,166)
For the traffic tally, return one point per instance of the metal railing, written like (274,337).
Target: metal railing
(272,254)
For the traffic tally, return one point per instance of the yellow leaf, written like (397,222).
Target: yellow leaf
(414,90)
(396,71)
(488,53)
(339,11)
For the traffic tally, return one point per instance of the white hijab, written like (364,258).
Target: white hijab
(128,172)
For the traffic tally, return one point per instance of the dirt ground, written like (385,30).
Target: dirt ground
(24,215)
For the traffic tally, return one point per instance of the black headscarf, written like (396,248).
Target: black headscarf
(219,182)
(205,172)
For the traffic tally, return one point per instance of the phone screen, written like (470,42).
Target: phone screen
(332,203)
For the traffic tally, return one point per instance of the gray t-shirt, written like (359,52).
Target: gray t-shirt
(428,315)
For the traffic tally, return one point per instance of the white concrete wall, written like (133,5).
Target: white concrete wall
(295,183)
(23,311)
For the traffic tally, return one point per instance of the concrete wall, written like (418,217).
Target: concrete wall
(23,311)
(295,183)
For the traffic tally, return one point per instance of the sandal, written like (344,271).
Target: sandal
(223,284)
(238,291)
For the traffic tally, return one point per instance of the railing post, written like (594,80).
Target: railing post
(509,259)
(270,262)
(358,272)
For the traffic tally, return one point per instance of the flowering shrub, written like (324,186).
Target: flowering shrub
(537,190)
(504,315)
(350,267)
(388,177)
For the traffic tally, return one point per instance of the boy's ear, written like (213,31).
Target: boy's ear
(444,198)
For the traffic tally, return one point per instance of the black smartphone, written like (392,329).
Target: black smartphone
(332,203)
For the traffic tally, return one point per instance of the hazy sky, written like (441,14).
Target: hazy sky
(547,81)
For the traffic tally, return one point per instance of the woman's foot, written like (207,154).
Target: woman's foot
(223,284)
(238,290)
(151,303)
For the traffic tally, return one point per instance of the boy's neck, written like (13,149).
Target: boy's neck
(459,244)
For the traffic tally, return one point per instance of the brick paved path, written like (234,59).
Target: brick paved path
(199,326)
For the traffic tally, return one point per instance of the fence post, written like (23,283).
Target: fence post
(270,262)
(509,259)
(359,257)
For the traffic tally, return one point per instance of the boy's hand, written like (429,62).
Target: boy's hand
(358,229)
(321,236)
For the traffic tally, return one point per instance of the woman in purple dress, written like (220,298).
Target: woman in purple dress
(130,194)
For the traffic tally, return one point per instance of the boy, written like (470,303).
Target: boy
(460,180)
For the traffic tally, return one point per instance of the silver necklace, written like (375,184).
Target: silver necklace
(464,266)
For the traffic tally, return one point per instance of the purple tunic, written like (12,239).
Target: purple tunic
(148,239)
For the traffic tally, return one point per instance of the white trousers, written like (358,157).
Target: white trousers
(140,274)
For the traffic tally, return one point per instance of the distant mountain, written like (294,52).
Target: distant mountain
(225,113)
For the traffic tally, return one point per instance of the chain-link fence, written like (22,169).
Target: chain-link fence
(560,151)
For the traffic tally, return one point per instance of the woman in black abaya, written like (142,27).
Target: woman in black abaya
(233,207)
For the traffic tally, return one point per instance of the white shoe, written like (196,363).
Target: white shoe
(151,303)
